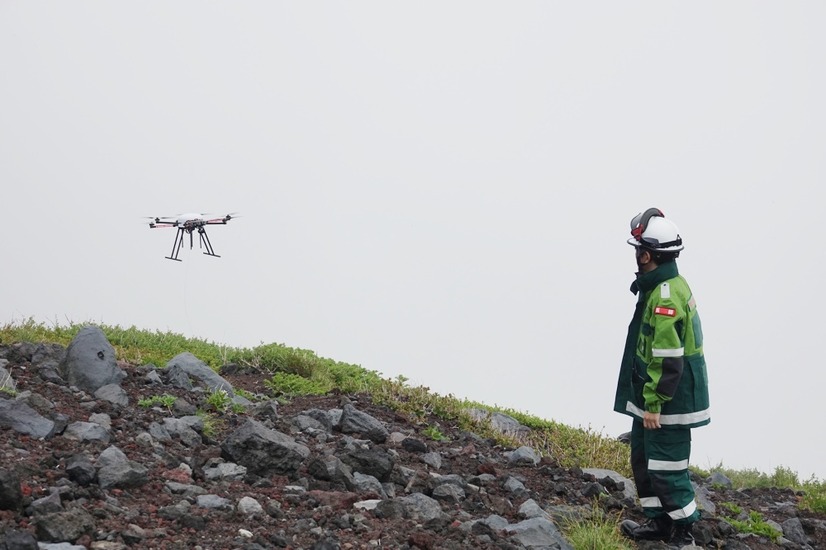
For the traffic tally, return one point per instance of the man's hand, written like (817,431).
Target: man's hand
(651,421)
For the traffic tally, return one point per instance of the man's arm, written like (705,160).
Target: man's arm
(666,367)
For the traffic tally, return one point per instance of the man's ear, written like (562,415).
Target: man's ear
(643,256)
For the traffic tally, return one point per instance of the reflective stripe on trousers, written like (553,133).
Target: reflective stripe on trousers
(659,459)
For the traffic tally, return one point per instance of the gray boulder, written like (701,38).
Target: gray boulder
(185,429)
(176,377)
(523,456)
(263,451)
(64,526)
(538,533)
(113,393)
(195,368)
(225,471)
(331,468)
(356,422)
(20,540)
(376,462)
(48,353)
(87,431)
(364,483)
(20,417)
(418,507)
(11,496)
(265,410)
(325,418)
(90,361)
(793,530)
(81,470)
(248,506)
(214,502)
(500,422)
(49,504)
(629,489)
(116,470)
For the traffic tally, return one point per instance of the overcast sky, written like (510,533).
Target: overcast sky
(439,190)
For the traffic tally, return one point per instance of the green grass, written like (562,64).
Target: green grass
(5,387)
(434,433)
(293,372)
(599,531)
(212,424)
(218,399)
(165,400)
(813,490)
(131,344)
(753,522)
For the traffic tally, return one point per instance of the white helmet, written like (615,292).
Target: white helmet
(651,230)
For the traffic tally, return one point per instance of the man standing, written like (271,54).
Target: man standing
(662,384)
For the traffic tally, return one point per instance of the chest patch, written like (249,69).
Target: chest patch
(667,311)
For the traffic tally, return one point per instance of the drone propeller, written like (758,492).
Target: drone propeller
(161,221)
(212,220)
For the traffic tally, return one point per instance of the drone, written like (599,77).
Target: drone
(190,223)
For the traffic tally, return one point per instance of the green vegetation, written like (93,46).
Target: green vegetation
(599,531)
(814,496)
(731,508)
(813,491)
(295,372)
(246,395)
(219,399)
(432,432)
(131,344)
(212,424)
(4,385)
(753,522)
(287,384)
(165,400)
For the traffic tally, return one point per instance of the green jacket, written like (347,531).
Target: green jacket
(663,369)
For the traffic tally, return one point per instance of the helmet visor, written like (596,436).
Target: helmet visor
(639,223)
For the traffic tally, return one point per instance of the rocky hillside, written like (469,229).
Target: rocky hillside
(96,453)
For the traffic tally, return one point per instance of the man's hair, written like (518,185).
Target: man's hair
(660,257)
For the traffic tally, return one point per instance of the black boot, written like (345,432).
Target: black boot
(682,535)
(660,528)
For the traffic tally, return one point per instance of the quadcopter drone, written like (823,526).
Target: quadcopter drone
(190,223)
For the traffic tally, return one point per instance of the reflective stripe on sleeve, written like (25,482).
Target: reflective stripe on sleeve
(668,465)
(674,352)
(684,419)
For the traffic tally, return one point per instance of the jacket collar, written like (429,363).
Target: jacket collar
(649,281)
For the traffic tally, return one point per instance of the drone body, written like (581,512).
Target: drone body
(189,223)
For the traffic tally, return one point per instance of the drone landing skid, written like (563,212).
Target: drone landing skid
(179,242)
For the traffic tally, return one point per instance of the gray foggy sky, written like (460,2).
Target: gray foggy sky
(435,190)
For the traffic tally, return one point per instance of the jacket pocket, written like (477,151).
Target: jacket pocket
(697,364)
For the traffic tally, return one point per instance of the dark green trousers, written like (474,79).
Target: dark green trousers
(659,460)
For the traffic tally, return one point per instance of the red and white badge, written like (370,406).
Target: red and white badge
(667,311)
